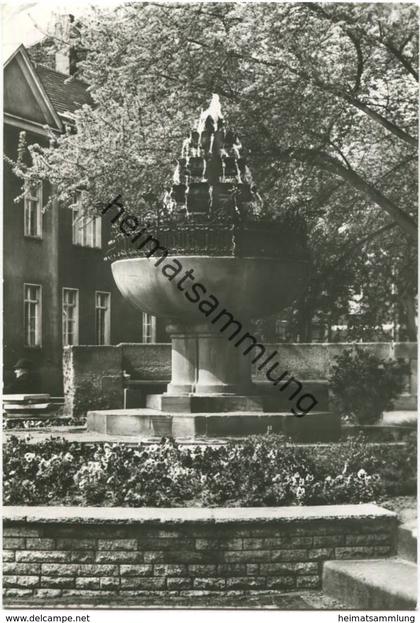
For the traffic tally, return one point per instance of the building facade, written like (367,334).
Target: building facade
(58,290)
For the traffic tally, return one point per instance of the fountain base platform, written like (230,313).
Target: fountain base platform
(197,416)
(149,423)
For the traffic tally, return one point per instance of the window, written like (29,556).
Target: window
(70,316)
(32,315)
(33,211)
(148,328)
(103,317)
(86,229)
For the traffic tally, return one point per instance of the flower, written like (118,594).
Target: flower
(296,478)
(29,457)
(361,474)
(300,492)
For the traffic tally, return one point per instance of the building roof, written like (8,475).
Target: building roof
(37,96)
(66,94)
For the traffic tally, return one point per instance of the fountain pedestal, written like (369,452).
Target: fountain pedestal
(205,361)
(211,396)
(209,374)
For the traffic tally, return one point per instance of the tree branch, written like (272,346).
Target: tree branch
(381,40)
(366,239)
(360,61)
(402,58)
(329,163)
(375,116)
(341,94)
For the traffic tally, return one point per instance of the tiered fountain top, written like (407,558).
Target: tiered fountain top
(255,266)
(213,208)
(212,181)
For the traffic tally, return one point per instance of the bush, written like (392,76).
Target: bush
(261,471)
(364,385)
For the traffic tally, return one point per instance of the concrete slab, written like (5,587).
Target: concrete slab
(128,515)
(389,584)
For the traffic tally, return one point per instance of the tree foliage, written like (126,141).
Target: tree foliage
(324,97)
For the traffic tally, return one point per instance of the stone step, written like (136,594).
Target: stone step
(28,408)
(36,417)
(268,397)
(407,541)
(388,584)
(25,398)
(57,400)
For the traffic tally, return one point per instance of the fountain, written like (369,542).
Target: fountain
(217,263)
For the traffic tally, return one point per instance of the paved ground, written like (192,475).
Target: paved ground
(80,434)
(400,418)
(308,600)
(404,505)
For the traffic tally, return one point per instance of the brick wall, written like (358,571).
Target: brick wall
(108,555)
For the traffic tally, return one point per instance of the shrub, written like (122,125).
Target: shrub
(364,385)
(263,470)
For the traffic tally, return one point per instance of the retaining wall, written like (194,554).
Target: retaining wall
(119,555)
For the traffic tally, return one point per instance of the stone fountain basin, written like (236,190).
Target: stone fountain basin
(249,287)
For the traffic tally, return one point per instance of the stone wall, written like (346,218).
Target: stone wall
(93,375)
(148,362)
(314,361)
(93,378)
(103,555)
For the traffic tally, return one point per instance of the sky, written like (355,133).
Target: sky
(29,22)
(25,22)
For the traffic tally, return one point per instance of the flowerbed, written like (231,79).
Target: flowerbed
(261,471)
